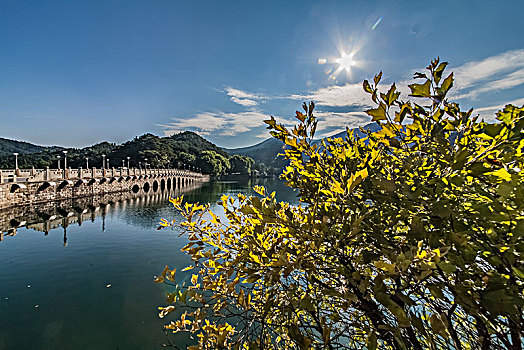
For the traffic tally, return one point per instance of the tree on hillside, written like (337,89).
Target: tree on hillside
(241,165)
(213,163)
(410,237)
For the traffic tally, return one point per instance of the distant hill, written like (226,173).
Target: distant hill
(267,151)
(8,147)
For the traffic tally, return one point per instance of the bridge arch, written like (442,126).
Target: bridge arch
(155,186)
(46,185)
(92,181)
(135,188)
(64,184)
(146,187)
(168,184)
(80,182)
(162,184)
(17,187)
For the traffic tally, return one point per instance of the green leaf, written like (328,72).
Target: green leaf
(446,85)
(438,326)
(437,74)
(377,78)
(501,173)
(367,87)
(420,90)
(399,116)
(498,302)
(371,341)
(378,113)
(300,116)
(391,96)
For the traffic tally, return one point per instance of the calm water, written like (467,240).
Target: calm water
(88,282)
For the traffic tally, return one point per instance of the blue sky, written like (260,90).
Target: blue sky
(74,73)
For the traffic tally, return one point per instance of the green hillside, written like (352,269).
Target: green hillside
(8,147)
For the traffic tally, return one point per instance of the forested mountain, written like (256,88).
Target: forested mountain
(8,147)
(183,150)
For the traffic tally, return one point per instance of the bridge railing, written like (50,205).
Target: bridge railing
(35,175)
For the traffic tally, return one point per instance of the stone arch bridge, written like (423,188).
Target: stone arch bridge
(21,187)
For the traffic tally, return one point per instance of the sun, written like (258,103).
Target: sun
(345,62)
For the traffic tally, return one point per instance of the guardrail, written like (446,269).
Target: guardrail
(35,175)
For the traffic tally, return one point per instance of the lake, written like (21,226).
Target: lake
(79,275)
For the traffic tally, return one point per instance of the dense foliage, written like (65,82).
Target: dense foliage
(183,150)
(8,147)
(409,237)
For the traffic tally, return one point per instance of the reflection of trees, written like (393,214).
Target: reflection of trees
(139,210)
(142,210)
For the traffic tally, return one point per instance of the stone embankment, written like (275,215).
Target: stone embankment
(22,187)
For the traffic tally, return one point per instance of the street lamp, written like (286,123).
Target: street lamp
(140,165)
(128,162)
(123,165)
(87,162)
(145,165)
(65,159)
(107,163)
(58,162)
(103,161)
(16,160)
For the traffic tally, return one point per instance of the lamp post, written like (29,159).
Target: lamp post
(123,165)
(128,162)
(103,161)
(87,162)
(107,163)
(16,161)
(65,159)
(140,165)
(145,165)
(58,162)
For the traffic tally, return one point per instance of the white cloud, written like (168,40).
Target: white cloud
(488,113)
(244,102)
(337,96)
(330,120)
(244,98)
(219,123)
(500,72)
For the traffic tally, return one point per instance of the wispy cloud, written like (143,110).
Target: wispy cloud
(219,123)
(330,123)
(244,98)
(337,96)
(488,113)
(499,72)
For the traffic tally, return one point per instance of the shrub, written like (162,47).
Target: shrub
(410,237)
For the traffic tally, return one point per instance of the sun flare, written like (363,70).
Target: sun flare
(345,62)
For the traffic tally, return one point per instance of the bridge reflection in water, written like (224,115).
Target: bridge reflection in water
(48,216)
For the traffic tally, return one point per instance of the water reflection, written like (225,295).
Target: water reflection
(98,293)
(45,217)
(140,209)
